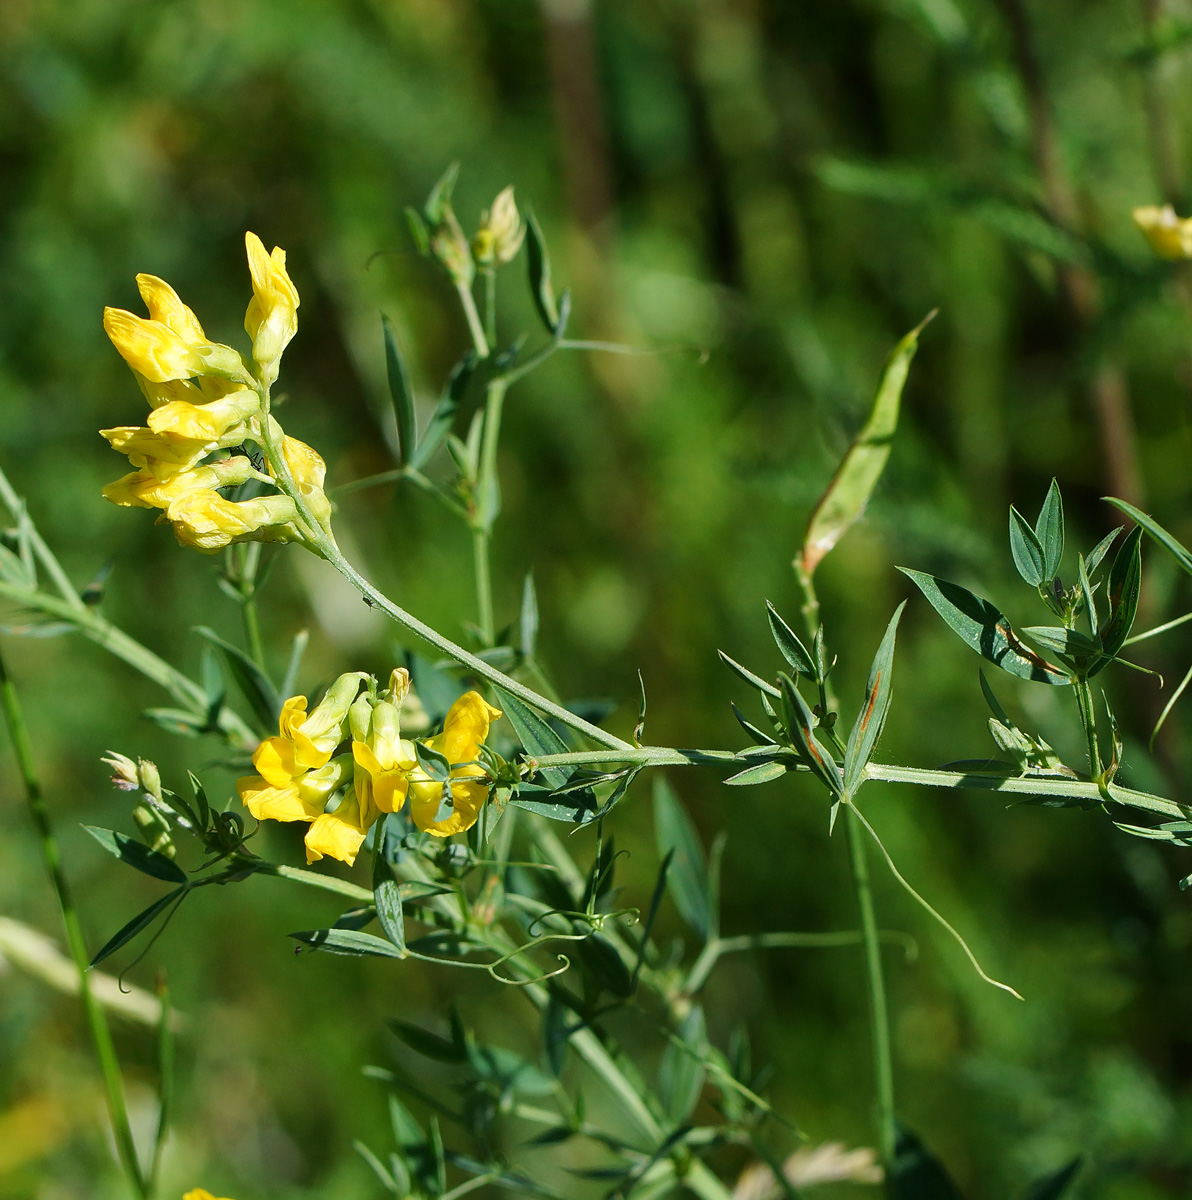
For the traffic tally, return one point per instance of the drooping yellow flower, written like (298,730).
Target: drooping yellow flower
(1168,235)
(272,317)
(213,420)
(207,521)
(341,833)
(464,729)
(308,471)
(162,453)
(147,489)
(303,798)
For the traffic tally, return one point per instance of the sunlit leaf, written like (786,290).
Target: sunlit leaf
(348,941)
(401,394)
(138,855)
(872,718)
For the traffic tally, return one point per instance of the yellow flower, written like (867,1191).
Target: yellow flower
(302,798)
(272,316)
(308,470)
(202,1194)
(165,307)
(384,761)
(161,452)
(147,489)
(1168,236)
(465,728)
(218,419)
(205,520)
(341,833)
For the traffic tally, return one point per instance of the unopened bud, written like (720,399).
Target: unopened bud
(501,231)
(449,245)
(154,830)
(1167,235)
(150,777)
(399,685)
(124,771)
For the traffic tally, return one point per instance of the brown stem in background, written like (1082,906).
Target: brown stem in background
(1108,394)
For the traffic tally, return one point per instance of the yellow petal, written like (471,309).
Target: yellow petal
(151,348)
(465,727)
(143,446)
(205,520)
(274,758)
(164,305)
(339,834)
(1169,237)
(467,799)
(269,803)
(205,421)
(272,316)
(202,1194)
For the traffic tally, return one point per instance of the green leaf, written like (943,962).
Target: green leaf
(438,203)
(800,723)
(847,495)
(1063,641)
(1028,554)
(872,718)
(1100,550)
(538,261)
(401,394)
(137,855)
(789,645)
(916,1174)
(443,417)
(980,625)
(1049,530)
(535,735)
(749,677)
(761,738)
(431,1045)
(762,773)
(260,693)
(1169,543)
(387,898)
(1125,581)
(687,878)
(418,230)
(652,912)
(349,942)
(1086,588)
(600,957)
(141,921)
(681,1074)
(1055,1185)
(528,622)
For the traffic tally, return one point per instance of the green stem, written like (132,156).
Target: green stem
(16,507)
(476,665)
(879,1017)
(468,303)
(490,306)
(103,633)
(1088,718)
(484,586)
(326,883)
(100,1034)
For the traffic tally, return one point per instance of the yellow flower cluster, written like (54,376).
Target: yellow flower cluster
(204,399)
(1167,235)
(299,771)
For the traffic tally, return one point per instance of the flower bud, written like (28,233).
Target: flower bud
(501,231)
(124,771)
(1168,236)
(272,317)
(150,777)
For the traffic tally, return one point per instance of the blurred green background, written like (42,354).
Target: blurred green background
(770,193)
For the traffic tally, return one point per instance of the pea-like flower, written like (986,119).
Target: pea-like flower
(1167,235)
(202,1194)
(272,317)
(300,771)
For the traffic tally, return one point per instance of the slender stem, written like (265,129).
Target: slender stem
(1150,633)
(468,304)
(879,1017)
(252,629)
(103,633)
(16,506)
(490,305)
(1088,718)
(484,586)
(326,883)
(100,1034)
(477,665)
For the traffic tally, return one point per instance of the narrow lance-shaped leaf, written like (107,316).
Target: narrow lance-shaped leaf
(1049,530)
(528,624)
(799,722)
(348,941)
(444,415)
(141,921)
(983,627)
(868,726)
(1024,546)
(401,394)
(137,855)
(847,495)
(1169,543)
(258,689)
(538,261)
(1125,581)
(387,896)
(687,879)
(789,645)
(535,734)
